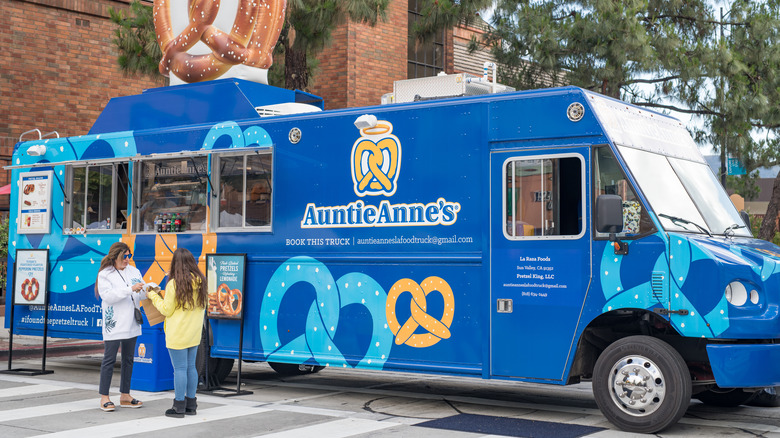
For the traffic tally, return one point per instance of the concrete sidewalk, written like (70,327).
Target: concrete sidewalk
(26,347)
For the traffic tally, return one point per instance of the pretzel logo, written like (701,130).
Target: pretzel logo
(437,330)
(376,161)
(251,40)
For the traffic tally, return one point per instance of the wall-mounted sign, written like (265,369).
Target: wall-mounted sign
(35,202)
(31,276)
(225,275)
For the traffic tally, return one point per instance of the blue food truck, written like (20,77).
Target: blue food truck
(548,236)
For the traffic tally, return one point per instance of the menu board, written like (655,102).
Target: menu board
(35,202)
(225,285)
(31,276)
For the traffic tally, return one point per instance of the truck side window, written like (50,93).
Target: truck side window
(98,198)
(609,179)
(172,195)
(244,190)
(544,197)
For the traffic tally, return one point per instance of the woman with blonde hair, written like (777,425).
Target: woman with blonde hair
(119,286)
(184,307)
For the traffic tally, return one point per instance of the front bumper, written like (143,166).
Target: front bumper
(745,365)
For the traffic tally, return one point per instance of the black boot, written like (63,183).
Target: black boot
(177,411)
(191,405)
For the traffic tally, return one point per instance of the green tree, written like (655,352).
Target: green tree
(680,55)
(136,41)
(308,27)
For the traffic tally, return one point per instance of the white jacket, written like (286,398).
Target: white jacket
(118,301)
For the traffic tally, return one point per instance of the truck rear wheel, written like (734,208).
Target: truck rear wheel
(218,368)
(725,397)
(294,369)
(641,384)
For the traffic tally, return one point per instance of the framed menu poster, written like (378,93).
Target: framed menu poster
(225,285)
(31,277)
(35,202)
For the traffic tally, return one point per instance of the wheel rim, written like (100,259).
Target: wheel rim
(638,385)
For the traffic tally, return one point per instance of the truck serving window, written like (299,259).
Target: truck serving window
(98,200)
(609,179)
(244,190)
(544,197)
(172,195)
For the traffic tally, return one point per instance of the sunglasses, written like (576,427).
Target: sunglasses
(128,256)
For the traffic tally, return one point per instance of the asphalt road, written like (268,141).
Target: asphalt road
(336,403)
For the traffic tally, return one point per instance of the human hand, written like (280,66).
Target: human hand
(151,286)
(137,287)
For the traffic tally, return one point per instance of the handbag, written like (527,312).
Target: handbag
(138,316)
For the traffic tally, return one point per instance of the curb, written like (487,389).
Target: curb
(52,350)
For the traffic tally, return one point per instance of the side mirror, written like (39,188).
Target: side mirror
(609,219)
(609,214)
(746,219)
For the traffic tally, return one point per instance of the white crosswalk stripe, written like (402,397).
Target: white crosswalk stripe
(28,390)
(61,408)
(152,424)
(334,429)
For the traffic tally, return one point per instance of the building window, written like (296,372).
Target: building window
(98,198)
(544,196)
(245,187)
(172,195)
(424,58)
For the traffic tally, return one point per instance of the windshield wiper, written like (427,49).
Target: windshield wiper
(680,221)
(730,230)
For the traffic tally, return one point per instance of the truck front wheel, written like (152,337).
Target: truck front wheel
(641,384)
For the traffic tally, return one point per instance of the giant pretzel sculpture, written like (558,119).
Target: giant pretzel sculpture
(251,40)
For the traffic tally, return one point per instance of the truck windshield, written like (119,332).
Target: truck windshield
(685,195)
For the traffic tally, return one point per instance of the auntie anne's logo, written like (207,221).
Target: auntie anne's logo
(376,160)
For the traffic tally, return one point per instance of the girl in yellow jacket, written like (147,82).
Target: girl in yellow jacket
(184,307)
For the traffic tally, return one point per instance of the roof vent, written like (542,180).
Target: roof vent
(442,87)
(281,109)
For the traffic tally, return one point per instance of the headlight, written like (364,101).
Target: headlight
(737,295)
(754,296)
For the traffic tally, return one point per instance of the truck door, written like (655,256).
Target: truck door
(540,259)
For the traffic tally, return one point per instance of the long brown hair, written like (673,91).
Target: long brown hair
(184,269)
(116,251)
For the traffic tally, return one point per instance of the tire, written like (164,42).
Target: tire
(766,398)
(218,368)
(631,371)
(725,397)
(294,369)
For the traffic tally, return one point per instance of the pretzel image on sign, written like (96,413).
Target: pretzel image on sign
(247,42)
(437,329)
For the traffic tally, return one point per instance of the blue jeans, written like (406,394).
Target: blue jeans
(185,375)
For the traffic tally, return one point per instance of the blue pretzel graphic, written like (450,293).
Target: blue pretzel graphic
(316,343)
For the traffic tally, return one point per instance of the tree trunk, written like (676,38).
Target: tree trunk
(769,225)
(296,70)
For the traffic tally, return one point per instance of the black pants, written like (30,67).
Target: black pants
(109,359)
